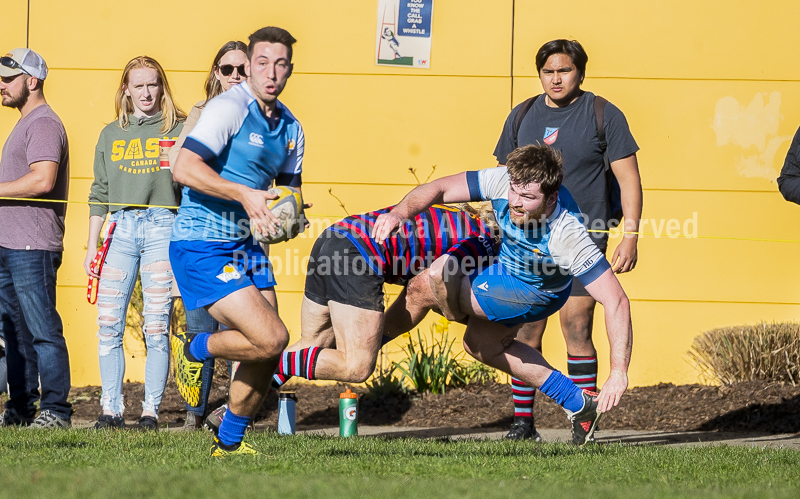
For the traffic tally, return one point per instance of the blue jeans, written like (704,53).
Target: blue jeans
(140,244)
(33,332)
(200,321)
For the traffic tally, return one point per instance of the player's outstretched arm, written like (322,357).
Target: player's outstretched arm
(191,171)
(607,290)
(451,189)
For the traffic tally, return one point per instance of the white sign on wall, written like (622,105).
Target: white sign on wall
(404,33)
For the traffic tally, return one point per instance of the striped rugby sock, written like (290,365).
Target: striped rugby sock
(278,380)
(523,399)
(583,371)
(299,363)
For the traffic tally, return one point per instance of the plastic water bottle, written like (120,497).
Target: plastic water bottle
(348,414)
(286,413)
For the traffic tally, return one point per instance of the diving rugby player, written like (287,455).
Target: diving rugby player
(543,245)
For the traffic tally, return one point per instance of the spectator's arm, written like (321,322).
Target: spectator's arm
(789,181)
(40,180)
(626,170)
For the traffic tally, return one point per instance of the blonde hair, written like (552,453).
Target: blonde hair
(485,213)
(123,105)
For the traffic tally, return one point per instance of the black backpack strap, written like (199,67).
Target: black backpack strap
(599,108)
(523,110)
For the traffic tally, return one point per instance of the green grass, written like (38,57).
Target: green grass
(82,463)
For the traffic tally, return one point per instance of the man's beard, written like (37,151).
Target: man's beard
(19,101)
(533,219)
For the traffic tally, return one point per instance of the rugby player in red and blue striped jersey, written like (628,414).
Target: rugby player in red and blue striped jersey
(344,301)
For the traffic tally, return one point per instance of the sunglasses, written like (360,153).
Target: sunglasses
(227,69)
(11,63)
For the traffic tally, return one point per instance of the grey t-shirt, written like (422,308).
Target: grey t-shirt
(573,131)
(39,136)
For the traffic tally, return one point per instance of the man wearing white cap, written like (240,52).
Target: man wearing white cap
(34,164)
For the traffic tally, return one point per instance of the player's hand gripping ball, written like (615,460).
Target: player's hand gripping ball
(288,209)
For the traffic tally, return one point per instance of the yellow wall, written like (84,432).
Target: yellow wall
(711,98)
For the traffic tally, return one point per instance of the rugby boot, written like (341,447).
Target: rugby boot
(523,429)
(214,419)
(240,449)
(187,370)
(584,422)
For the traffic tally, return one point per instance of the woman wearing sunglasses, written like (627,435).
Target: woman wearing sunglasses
(227,70)
(130,185)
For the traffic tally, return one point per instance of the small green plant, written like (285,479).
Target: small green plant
(431,368)
(384,383)
(744,353)
(476,373)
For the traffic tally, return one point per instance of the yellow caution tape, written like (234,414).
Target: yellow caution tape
(612,233)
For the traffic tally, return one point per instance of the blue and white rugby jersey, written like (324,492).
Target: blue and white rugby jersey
(233,138)
(548,255)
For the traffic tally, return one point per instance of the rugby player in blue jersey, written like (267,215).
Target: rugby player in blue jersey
(544,244)
(243,142)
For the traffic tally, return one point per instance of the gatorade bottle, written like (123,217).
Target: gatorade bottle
(348,414)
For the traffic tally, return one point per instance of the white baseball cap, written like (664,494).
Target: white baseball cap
(23,61)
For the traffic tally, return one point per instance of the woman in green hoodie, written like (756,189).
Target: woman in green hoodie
(140,197)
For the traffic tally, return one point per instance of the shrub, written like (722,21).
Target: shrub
(745,353)
(431,368)
(476,373)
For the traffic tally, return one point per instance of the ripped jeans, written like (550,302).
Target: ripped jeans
(140,244)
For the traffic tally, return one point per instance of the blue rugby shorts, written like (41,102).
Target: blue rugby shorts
(207,271)
(510,301)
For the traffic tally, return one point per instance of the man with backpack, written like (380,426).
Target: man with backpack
(602,174)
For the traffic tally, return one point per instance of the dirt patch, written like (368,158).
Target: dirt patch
(751,406)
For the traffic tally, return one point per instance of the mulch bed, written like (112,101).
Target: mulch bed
(755,406)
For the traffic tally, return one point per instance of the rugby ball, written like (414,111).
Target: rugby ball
(288,209)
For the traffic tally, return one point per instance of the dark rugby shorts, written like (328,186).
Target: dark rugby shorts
(339,272)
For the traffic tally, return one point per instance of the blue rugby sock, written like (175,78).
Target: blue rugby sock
(561,389)
(198,347)
(231,431)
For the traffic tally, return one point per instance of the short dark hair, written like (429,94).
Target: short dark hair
(570,47)
(39,85)
(271,34)
(536,164)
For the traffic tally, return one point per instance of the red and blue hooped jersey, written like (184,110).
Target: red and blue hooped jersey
(418,242)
